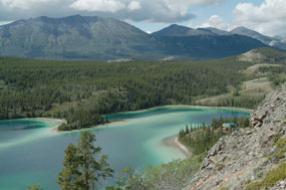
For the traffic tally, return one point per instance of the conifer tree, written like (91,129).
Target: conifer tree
(68,178)
(84,165)
(91,169)
(35,187)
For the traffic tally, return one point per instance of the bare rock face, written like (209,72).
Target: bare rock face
(242,156)
(281,185)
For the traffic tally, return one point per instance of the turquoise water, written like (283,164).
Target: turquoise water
(32,152)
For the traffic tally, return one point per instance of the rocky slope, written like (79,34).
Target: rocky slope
(247,154)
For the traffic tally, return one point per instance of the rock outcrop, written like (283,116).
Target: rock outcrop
(243,156)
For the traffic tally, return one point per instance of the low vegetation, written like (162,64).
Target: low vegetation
(270,179)
(174,175)
(279,152)
(276,174)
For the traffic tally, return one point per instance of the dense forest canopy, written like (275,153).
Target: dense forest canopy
(81,91)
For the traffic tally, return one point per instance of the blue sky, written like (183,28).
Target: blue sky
(265,16)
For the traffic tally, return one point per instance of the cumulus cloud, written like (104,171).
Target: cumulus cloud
(269,17)
(98,5)
(136,10)
(20,4)
(134,5)
(217,22)
(4,22)
(151,10)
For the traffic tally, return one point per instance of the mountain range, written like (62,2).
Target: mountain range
(271,41)
(97,38)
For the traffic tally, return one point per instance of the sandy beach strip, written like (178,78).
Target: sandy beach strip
(175,143)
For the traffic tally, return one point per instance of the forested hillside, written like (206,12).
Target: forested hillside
(82,92)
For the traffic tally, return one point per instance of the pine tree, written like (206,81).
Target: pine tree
(187,129)
(91,169)
(35,187)
(68,178)
(83,165)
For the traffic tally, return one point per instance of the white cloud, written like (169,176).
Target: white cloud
(134,5)
(217,22)
(5,22)
(153,10)
(98,5)
(24,4)
(269,17)
(137,10)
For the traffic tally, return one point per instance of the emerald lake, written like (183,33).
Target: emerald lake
(31,150)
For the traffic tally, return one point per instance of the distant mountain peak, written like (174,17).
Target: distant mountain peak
(241,28)
(173,30)
(274,42)
(92,37)
(179,30)
(215,31)
(178,26)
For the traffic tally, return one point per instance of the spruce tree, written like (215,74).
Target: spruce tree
(68,178)
(91,169)
(83,165)
(35,187)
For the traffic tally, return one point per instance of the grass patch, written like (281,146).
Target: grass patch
(281,149)
(271,178)
(234,99)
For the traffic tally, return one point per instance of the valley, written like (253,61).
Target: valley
(96,95)
(142,95)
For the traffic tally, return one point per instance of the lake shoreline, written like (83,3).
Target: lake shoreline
(50,129)
(174,142)
(64,121)
(54,123)
(169,106)
(188,106)
(140,135)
